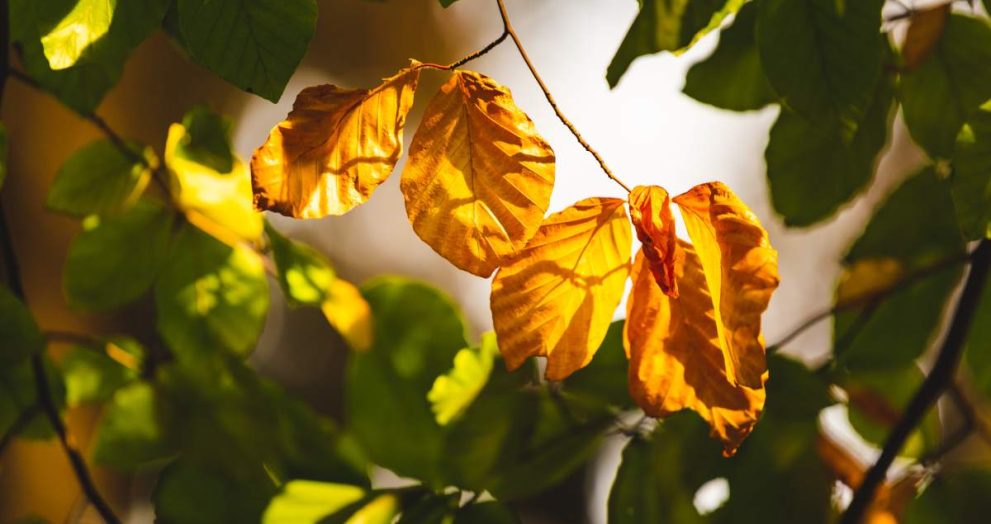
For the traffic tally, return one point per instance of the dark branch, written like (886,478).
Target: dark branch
(940,378)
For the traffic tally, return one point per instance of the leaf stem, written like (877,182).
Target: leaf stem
(508,28)
(458,63)
(940,378)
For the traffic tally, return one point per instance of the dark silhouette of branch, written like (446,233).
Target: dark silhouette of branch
(940,378)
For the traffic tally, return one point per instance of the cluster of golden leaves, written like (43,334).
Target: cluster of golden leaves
(477,185)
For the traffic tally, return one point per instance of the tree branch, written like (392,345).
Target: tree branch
(940,377)
(508,27)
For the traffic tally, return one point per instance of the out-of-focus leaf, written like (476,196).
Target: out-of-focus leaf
(99,179)
(939,95)
(131,433)
(18,330)
(455,390)
(418,331)
(876,402)
(254,45)
(93,376)
(970,182)
(604,379)
(479,176)
(211,297)
(431,509)
(741,271)
(659,475)
(676,359)
(486,513)
(665,25)
(896,330)
(305,275)
(732,77)
(556,297)
(955,497)
(84,25)
(812,169)
(447,3)
(978,349)
(306,501)
(18,398)
(334,149)
(116,258)
(3,154)
(822,57)
(349,313)
(650,212)
(88,75)
(218,202)
(188,494)
(923,34)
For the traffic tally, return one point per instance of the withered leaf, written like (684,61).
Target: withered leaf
(676,362)
(650,211)
(557,296)
(741,273)
(479,177)
(334,149)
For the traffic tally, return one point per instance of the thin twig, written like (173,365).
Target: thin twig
(458,63)
(508,27)
(20,423)
(870,297)
(940,377)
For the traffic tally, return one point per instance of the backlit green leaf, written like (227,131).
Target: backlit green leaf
(970,182)
(131,433)
(455,390)
(92,376)
(305,501)
(305,275)
(99,179)
(81,28)
(211,297)
(116,259)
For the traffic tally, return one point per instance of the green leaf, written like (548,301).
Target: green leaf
(81,28)
(207,140)
(953,82)
(455,390)
(956,497)
(18,330)
(18,398)
(305,501)
(132,433)
(447,3)
(210,297)
(917,228)
(305,275)
(812,169)
(92,376)
(604,379)
(732,77)
(418,332)
(977,351)
(3,154)
(253,45)
(877,399)
(667,25)
(97,69)
(116,259)
(98,179)
(822,57)
(970,182)
(431,509)
(659,475)
(486,513)
(188,494)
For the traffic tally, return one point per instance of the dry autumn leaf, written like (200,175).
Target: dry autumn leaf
(923,34)
(334,149)
(479,177)
(675,360)
(741,273)
(650,211)
(557,296)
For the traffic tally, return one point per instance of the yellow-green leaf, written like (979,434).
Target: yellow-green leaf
(479,177)
(455,390)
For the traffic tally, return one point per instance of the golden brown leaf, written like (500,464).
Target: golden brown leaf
(334,149)
(923,34)
(650,210)
(348,312)
(675,360)
(741,270)
(556,297)
(479,177)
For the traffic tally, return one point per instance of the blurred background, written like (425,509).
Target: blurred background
(645,128)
